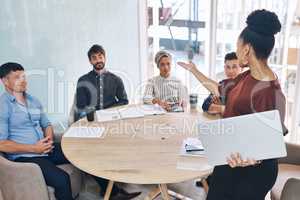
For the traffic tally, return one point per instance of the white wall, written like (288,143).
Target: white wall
(295,126)
(51,39)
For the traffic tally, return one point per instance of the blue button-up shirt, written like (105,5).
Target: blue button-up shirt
(22,124)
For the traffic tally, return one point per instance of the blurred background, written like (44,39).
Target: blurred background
(51,39)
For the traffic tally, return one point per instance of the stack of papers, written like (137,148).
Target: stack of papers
(192,147)
(129,112)
(152,109)
(84,132)
(107,115)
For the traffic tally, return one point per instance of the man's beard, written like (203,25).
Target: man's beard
(99,65)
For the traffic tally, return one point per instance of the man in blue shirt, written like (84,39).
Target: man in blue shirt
(26,134)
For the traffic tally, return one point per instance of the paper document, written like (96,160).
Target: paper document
(152,109)
(107,115)
(129,112)
(85,132)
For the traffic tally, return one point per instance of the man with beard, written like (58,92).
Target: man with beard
(99,88)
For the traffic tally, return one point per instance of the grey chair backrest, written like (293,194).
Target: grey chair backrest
(291,189)
(17,180)
(1,197)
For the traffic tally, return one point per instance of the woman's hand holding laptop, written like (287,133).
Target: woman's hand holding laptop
(236,160)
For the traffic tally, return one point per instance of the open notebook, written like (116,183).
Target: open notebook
(129,112)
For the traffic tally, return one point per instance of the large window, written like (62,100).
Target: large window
(232,21)
(180,27)
(183,27)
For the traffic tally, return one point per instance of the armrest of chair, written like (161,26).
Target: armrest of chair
(293,154)
(291,190)
(1,196)
(18,180)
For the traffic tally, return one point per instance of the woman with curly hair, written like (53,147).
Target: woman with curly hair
(255,90)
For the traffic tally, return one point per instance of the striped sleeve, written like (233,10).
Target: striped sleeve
(183,93)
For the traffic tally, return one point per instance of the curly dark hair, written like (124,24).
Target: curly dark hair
(262,25)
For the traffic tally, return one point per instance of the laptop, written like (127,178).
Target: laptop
(258,136)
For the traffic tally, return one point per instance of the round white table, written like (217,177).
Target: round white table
(140,151)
